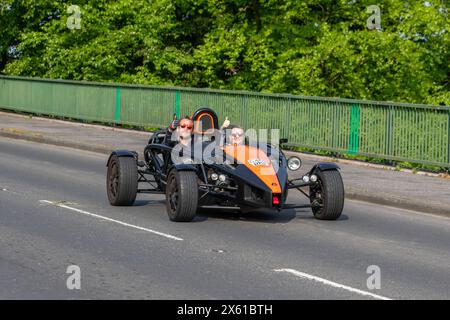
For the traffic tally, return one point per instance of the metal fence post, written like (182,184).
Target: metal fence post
(335,132)
(117,115)
(177,104)
(448,138)
(389,132)
(355,121)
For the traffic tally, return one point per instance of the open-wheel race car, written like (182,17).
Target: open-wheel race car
(241,177)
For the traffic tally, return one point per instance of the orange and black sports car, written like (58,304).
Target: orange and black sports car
(215,174)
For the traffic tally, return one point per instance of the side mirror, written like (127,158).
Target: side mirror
(283,140)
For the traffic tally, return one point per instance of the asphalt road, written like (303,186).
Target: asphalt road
(54,213)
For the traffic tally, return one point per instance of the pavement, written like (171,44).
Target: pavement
(54,213)
(429,193)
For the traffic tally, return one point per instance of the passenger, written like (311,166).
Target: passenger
(234,134)
(225,124)
(237,135)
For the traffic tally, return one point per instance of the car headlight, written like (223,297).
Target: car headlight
(294,163)
(214,176)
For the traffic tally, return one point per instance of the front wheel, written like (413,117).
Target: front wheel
(182,195)
(327,195)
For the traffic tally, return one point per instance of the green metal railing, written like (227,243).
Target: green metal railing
(387,130)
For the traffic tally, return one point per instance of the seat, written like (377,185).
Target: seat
(205,124)
(205,121)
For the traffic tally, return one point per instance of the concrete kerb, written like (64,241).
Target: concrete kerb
(77,124)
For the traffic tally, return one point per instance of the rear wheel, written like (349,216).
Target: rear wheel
(122,181)
(182,195)
(327,195)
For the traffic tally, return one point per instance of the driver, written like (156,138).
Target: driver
(180,131)
(184,131)
(180,137)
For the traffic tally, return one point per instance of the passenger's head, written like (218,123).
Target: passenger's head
(236,135)
(185,128)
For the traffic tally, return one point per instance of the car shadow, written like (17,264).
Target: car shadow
(262,215)
(256,215)
(141,203)
(259,215)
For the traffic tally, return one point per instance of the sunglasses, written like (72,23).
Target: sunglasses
(186,126)
(237,135)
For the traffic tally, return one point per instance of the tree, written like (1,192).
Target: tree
(311,47)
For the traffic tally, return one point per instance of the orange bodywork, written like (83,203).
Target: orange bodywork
(257,162)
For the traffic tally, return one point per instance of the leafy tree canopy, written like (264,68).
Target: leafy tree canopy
(310,47)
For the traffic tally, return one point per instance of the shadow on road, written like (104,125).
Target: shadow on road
(256,215)
(260,216)
(141,203)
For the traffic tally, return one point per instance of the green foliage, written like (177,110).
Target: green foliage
(311,47)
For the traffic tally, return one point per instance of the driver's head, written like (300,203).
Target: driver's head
(185,128)
(237,135)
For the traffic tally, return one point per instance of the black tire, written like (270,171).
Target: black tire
(122,181)
(182,195)
(327,195)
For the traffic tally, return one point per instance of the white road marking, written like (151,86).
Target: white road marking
(112,220)
(331,283)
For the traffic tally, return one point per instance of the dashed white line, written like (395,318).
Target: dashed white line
(331,283)
(111,220)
